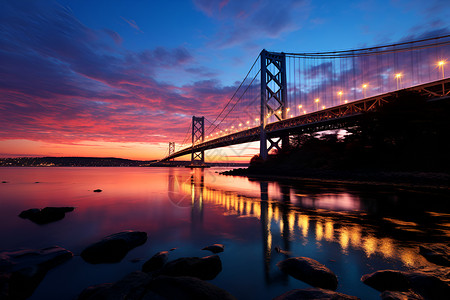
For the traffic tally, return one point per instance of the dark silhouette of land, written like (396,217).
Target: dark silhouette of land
(72,162)
(99,162)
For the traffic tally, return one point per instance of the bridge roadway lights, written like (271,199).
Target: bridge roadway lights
(273,97)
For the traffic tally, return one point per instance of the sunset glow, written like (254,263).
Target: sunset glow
(124,83)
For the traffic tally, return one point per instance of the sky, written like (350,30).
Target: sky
(124,78)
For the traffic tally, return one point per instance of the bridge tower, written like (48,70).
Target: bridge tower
(171,149)
(198,136)
(273,97)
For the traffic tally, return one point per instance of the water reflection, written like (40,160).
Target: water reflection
(285,215)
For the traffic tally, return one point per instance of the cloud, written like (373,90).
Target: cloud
(132,23)
(246,20)
(61,81)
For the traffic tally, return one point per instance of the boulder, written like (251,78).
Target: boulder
(310,271)
(139,285)
(216,248)
(314,294)
(45,215)
(132,284)
(390,295)
(423,284)
(205,268)
(156,262)
(21,271)
(387,280)
(184,288)
(437,254)
(113,248)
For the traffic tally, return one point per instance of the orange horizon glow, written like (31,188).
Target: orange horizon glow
(128,150)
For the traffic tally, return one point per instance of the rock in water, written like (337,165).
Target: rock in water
(387,280)
(97,191)
(45,215)
(390,295)
(425,285)
(310,271)
(205,268)
(113,248)
(314,294)
(437,254)
(21,271)
(139,285)
(216,248)
(156,262)
(184,288)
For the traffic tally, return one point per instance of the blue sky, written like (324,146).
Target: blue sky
(123,78)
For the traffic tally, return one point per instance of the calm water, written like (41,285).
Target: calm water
(352,232)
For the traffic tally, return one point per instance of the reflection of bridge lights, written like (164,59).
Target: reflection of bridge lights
(340,96)
(317,102)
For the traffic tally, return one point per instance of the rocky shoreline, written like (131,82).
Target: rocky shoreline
(187,277)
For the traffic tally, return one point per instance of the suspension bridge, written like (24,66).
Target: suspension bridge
(292,93)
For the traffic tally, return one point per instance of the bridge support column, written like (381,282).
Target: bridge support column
(273,97)
(198,135)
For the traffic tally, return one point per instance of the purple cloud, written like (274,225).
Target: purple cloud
(247,20)
(61,81)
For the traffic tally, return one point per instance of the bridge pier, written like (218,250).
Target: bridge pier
(198,136)
(171,149)
(273,98)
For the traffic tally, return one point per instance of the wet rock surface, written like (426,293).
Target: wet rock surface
(314,294)
(205,268)
(310,271)
(437,254)
(216,248)
(410,295)
(45,215)
(424,284)
(113,248)
(156,262)
(139,285)
(21,271)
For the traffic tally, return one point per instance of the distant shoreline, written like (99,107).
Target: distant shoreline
(99,162)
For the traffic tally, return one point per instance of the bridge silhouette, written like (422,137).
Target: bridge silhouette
(285,94)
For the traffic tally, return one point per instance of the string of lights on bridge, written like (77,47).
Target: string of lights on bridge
(248,124)
(318,81)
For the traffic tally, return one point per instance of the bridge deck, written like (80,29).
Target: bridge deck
(331,118)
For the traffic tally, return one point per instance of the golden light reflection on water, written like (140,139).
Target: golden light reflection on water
(319,231)
(369,245)
(325,226)
(344,238)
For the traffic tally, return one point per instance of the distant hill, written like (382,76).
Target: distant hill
(72,162)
